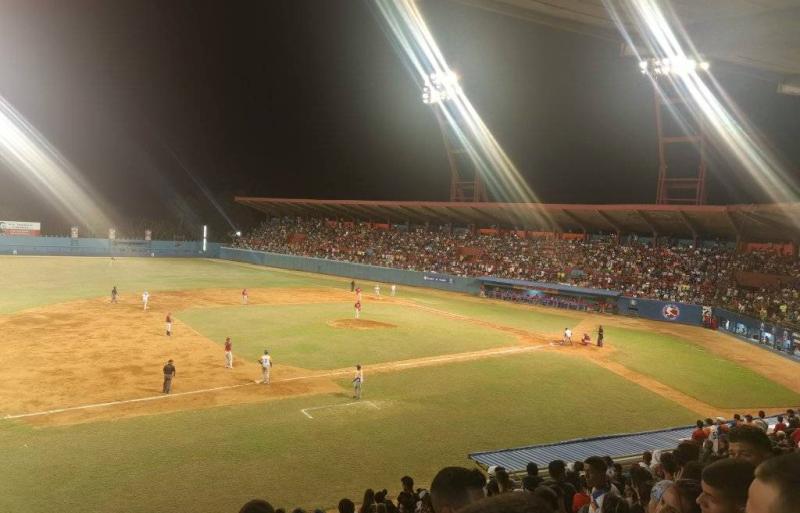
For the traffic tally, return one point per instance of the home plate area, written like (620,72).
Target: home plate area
(338,410)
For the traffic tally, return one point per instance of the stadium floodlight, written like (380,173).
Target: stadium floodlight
(439,87)
(677,65)
(238,233)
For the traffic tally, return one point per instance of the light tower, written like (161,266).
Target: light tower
(465,181)
(682,162)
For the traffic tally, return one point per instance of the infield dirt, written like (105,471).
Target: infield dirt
(88,352)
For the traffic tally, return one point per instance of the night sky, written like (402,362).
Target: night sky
(309,99)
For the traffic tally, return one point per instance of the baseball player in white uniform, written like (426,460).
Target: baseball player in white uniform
(377,290)
(358,380)
(567,336)
(145,299)
(394,289)
(266,364)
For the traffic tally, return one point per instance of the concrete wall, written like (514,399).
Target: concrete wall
(104,247)
(353,270)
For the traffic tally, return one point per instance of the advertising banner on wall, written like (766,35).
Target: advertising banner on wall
(73,232)
(20,228)
(148,235)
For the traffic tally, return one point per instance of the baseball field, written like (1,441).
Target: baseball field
(84,426)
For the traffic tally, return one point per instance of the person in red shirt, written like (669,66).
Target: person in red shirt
(699,434)
(244,296)
(780,426)
(358,309)
(796,436)
(168,321)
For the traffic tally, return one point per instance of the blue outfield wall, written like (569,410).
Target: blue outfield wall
(670,311)
(353,270)
(66,246)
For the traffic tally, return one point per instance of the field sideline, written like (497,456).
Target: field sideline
(85,427)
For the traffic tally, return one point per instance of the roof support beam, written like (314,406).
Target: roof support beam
(737,229)
(576,220)
(649,223)
(689,224)
(610,221)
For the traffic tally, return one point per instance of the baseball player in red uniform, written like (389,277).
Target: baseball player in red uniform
(244,296)
(168,320)
(358,309)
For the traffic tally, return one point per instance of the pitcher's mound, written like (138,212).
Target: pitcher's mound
(360,324)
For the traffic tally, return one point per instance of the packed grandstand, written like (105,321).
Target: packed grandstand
(761,282)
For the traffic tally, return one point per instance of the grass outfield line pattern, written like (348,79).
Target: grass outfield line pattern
(301,335)
(695,371)
(215,460)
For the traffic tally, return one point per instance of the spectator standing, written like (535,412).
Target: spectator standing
(558,479)
(532,479)
(699,434)
(598,482)
(749,443)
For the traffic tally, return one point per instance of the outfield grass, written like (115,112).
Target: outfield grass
(695,371)
(517,316)
(214,460)
(299,335)
(34,281)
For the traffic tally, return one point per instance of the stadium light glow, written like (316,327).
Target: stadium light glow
(425,60)
(238,233)
(729,130)
(672,66)
(205,237)
(30,156)
(440,87)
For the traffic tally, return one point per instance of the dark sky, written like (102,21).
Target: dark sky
(309,99)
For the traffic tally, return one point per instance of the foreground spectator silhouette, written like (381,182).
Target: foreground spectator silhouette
(257,506)
(724,486)
(453,488)
(776,488)
(509,503)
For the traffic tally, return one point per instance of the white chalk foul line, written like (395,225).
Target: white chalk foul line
(411,363)
(306,410)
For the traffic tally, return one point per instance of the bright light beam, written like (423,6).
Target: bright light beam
(425,58)
(30,156)
(666,39)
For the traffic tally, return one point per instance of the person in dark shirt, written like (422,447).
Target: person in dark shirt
(532,480)
(558,478)
(169,373)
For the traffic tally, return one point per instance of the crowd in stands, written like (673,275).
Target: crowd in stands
(705,275)
(739,466)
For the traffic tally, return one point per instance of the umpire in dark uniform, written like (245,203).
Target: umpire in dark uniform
(169,373)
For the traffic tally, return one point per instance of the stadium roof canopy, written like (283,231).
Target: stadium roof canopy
(771,222)
(761,36)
